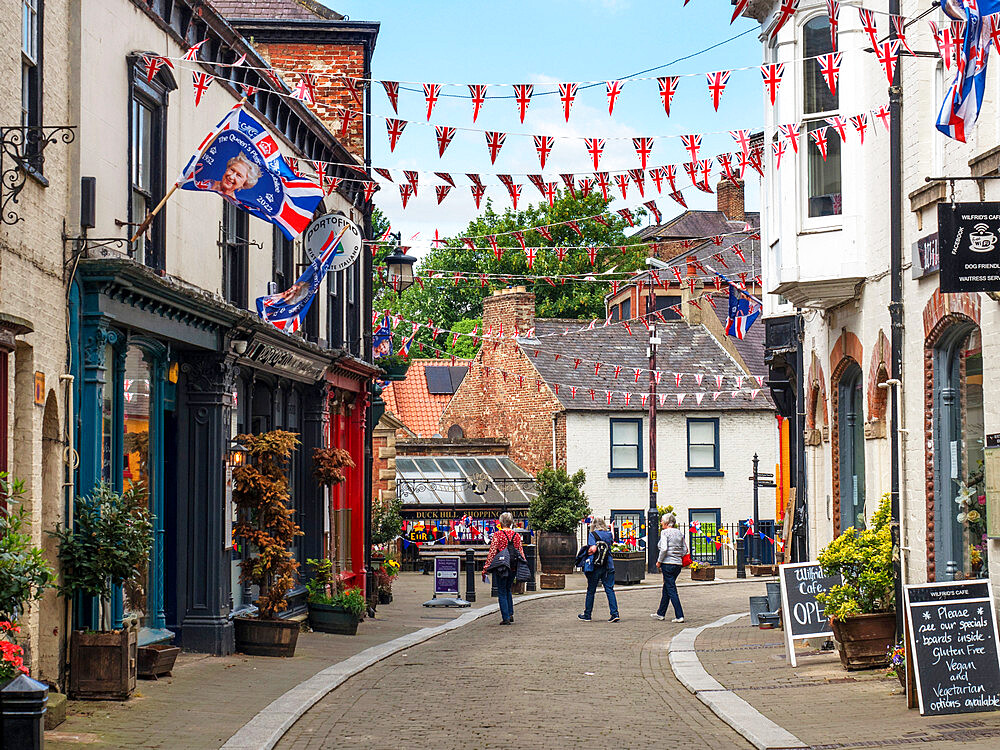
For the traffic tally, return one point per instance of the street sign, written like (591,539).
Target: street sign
(955,649)
(446,574)
(969,236)
(321,229)
(801,613)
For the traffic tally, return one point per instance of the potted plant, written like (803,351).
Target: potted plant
(260,493)
(395,366)
(338,612)
(630,564)
(897,662)
(556,512)
(107,546)
(25,574)
(384,576)
(329,469)
(11,655)
(861,609)
(701,571)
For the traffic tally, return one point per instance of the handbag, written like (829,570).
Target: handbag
(686,560)
(500,561)
(522,573)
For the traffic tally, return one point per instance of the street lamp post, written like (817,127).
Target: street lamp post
(400,268)
(652,519)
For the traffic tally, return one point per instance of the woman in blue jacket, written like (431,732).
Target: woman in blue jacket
(604,574)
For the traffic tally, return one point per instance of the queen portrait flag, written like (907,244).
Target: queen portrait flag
(241,161)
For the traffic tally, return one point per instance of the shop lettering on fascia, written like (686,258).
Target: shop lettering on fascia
(282,359)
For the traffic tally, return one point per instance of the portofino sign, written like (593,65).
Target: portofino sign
(969,246)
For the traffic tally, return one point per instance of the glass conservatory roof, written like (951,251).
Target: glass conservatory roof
(458,480)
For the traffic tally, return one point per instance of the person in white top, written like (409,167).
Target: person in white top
(673,547)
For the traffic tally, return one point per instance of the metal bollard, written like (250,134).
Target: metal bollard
(530,552)
(741,558)
(470,575)
(22,713)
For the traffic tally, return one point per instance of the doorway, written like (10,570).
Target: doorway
(851,431)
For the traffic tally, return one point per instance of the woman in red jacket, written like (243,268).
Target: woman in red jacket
(504,579)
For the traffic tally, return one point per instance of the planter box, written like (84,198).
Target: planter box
(703,574)
(266,637)
(630,567)
(763,570)
(103,665)
(864,640)
(551,581)
(395,371)
(556,552)
(157,659)
(327,618)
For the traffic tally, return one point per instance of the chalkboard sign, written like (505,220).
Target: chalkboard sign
(802,615)
(954,647)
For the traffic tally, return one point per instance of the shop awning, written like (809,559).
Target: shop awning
(428,481)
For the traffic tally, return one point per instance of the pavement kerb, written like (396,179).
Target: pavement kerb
(271,723)
(759,730)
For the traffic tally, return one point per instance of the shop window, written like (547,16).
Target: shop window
(823,178)
(703,447)
(137,472)
(626,448)
(235,251)
(31,70)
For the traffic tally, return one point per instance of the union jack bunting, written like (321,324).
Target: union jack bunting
(248,90)
(568,181)
(738,252)
(740,6)
(549,191)
(478,93)
(334,184)
(519,236)
(306,88)
(201,83)
(545,231)
(192,53)
(943,40)
(692,143)
(395,129)
(494,142)
(621,180)
(692,171)
(726,160)
(392,92)
(716,85)
(432,92)
(603,183)
(882,114)
(353,88)
(670,175)
(561,253)
(705,170)
(888,54)
(474,178)
(405,191)
(790,132)
(478,191)
(778,147)
(538,182)
(515,193)
(446,177)
(506,180)
(600,220)
(522,95)
(829,68)
(964,97)
(497,251)
(772,79)
(370,187)
(657,216)
(586,185)
(860,123)
(868,25)
(668,87)
(819,137)
(567,95)
(442,192)
(639,178)
(899,24)
(530,254)
(643,148)
(445,135)
(595,147)
(543,145)
(833,13)
(839,123)
(787,9)
(742,137)
(153,65)
(412,177)
(614,89)
(592,255)
(575,227)
(383,173)
(656,175)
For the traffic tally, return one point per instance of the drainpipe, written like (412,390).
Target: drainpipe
(555,456)
(69,485)
(896,310)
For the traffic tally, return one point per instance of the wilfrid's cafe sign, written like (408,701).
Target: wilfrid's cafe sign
(970,246)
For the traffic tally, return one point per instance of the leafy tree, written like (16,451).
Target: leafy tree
(560,503)
(447,303)
(24,571)
(465,347)
(387,522)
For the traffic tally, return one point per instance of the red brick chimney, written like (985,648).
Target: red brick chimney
(511,307)
(730,199)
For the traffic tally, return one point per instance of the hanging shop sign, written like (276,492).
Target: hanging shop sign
(970,246)
(801,613)
(954,647)
(926,256)
(330,225)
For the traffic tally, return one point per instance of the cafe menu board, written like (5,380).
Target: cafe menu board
(954,647)
(801,613)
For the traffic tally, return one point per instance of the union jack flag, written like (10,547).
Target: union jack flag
(412,177)
(346,117)
(522,95)
(833,13)
(868,25)
(888,54)
(639,178)
(370,187)
(392,91)
(442,192)
(595,147)
(192,53)
(838,123)
(567,95)
(726,160)
(778,147)
(882,114)
(656,175)
(692,143)
(772,79)
(395,129)
(788,7)
(819,136)
(668,87)
(716,85)
(432,92)
(627,215)
(679,197)
(544,231)
(829,68)
(741,5)
(586,185)
(860,123)
(657,216)
(153,65)
(515,193)
(494,142)
(478,93)
(614,91)
(201,83)
(353,88)
(445,135)
(478,191)
(670,175)
(405,191)
(306,88)
(790,132)
(383,173)
(602,183)
(549,191)
(742,137)
(899,24)
(543,145)
(575,227)
(643,148)
(964,97)
(568,181)
(446,177)
(621,180)
(741,317)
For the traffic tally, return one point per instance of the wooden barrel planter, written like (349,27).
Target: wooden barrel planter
(103,665)
(266,637)
(703,574)
(327,618)
(864,640)
(157,659)
(556,551)
(630,567)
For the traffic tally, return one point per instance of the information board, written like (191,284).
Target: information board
(970,246)
(955,650)
(802,615)
(446,574)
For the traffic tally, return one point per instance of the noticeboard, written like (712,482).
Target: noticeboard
(446,575)
(969,242)
(954,647)
(800,612)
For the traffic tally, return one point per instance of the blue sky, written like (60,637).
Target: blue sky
(544,43)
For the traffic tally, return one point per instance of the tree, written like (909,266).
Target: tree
(448,303)
(560,502)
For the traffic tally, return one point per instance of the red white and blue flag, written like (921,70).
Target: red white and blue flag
(964,97)
(241,161)
(740,317)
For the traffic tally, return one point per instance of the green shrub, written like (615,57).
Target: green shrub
(560,503)
(351,600)
(24,571)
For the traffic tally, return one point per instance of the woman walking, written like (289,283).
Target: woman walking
(602,569)
(504,577)
(673,547)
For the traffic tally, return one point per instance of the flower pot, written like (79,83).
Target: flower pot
(157,659)
(703,574)
(864,640)
(556,551)
(384,597)
(103,665)
(327,618)
(901,674)
(395,370)
(630,567)
(266,637)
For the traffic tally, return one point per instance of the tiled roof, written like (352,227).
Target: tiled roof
(276,10)
(696,224)
(683,348)
(410,401)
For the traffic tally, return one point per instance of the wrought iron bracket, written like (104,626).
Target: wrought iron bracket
(22,152)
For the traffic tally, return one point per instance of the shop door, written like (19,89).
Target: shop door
(702,539)
(852,449)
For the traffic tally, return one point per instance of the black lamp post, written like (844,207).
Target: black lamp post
(400,267)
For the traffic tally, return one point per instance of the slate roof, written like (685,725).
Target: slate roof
(686,349)
(276,10)
(410,400)
(696,224)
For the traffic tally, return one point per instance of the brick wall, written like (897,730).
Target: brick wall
(518,407)
(730,200)
(331,95)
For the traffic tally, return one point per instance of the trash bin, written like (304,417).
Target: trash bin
(773,596)
(758,606)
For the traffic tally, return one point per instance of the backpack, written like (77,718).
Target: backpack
(602,552)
